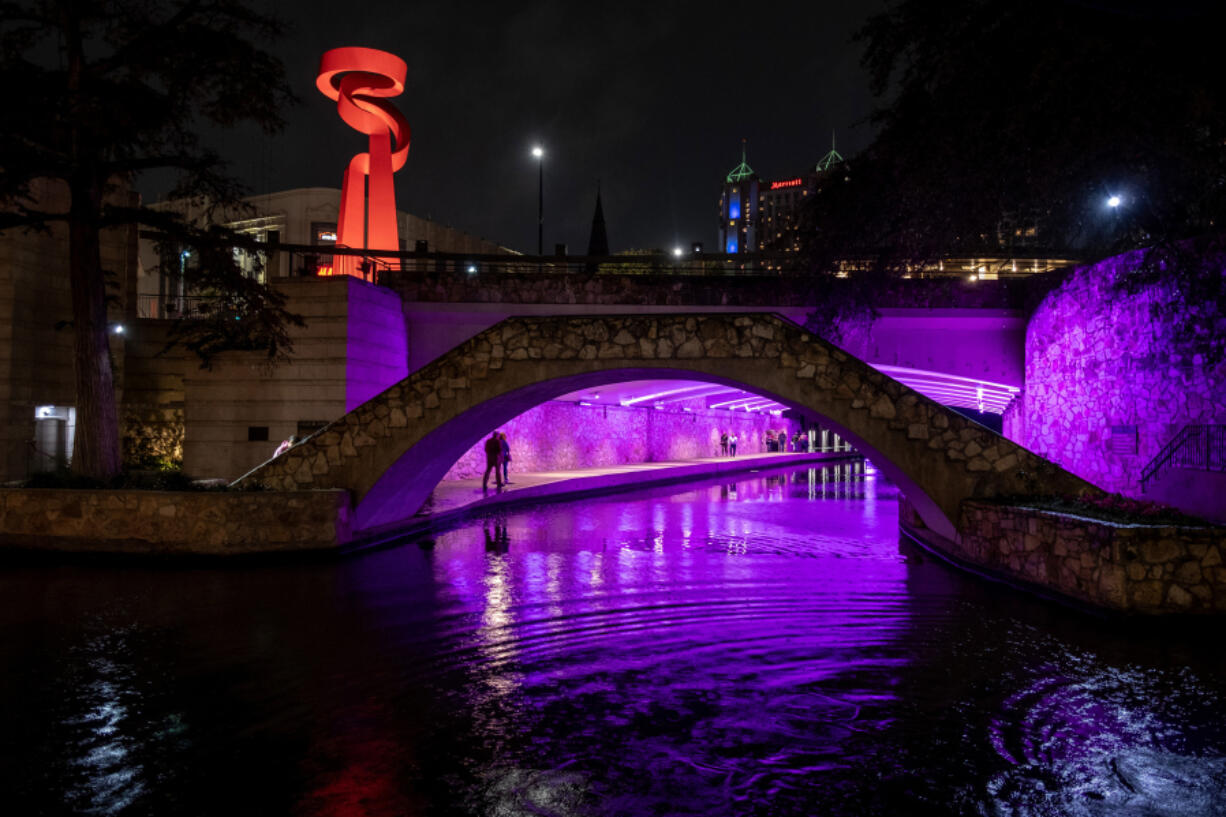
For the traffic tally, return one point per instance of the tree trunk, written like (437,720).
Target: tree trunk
(95,450)
(95,447)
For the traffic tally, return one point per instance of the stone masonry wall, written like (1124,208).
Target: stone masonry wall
(656,289)
(1129,568)
(173,522)
(564,436)
(1132,568)
(392,450)
(1106,387)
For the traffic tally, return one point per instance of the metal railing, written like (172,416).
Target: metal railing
(176,307)
(1202,447)
(690,264)
(400,268)
(310,260)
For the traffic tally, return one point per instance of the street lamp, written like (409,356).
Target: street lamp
(539,153)
(1114,201)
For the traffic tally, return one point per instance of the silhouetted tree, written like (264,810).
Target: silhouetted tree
(99,91)
(1000,115)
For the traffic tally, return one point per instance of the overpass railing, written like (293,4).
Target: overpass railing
(307,260)
(1202,447)
(178,307)
(400,269)
(279,259)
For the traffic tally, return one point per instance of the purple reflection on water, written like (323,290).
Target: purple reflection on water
(758,646)
(744,598)
(740,648)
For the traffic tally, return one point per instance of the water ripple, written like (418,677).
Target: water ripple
(757,647)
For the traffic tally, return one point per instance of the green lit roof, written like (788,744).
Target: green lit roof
(741,171)
(830,159)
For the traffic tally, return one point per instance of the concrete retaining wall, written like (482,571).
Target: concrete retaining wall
(173,523)
(352,347)
(1200,493)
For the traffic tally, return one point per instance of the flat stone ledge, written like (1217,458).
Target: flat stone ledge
(167,523)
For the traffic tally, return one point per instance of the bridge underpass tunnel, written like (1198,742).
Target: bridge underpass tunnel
(559,424)
(392,451)
(644,421)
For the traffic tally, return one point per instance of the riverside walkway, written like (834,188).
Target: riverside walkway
(454,499)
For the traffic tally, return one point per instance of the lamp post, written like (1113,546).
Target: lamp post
(539,153)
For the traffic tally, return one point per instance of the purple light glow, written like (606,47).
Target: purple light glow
(402,480)
(1098,363)
(662,393)
(567,436)
(666,393)
(704,393)
(975,344)
(955,390)
(377,350)
(733,404)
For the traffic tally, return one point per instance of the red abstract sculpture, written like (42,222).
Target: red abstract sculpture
(360,80)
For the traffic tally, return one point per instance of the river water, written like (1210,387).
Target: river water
(765,646)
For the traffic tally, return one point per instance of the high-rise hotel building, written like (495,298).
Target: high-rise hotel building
(760,215)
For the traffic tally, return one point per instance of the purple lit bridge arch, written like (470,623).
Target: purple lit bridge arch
(391,451)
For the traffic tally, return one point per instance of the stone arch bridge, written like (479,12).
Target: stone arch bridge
(391,451)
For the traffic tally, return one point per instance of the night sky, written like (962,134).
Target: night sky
(651,98)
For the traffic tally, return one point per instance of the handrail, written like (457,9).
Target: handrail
(176,307)
(696,263)
(1195,446)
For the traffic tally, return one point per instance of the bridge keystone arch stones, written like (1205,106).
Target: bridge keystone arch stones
(391,451)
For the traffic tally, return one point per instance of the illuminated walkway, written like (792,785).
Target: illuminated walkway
(455,498)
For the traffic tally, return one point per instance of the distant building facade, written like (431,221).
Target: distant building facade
(758,215)
(304,216)
(764,215)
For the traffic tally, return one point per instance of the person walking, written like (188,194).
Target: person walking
(493,458)
(732,443)
(505,448)
(723,443)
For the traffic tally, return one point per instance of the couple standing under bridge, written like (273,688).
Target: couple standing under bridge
(498,458)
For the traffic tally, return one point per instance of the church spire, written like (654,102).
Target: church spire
(598,242)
